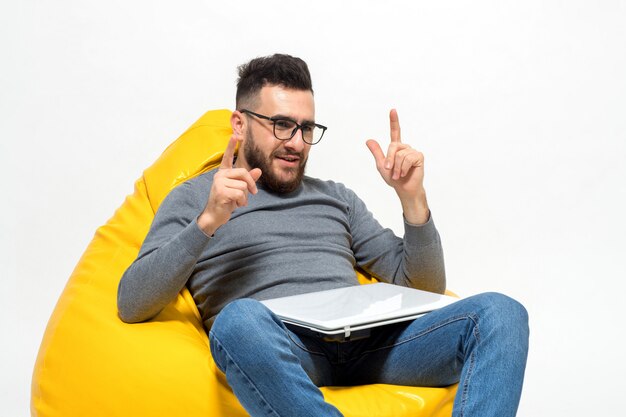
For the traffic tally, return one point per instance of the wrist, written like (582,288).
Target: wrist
(415,209)
(206,224)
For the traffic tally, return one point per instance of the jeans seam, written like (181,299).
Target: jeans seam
(247,378)
(468,378)
(212,341)
(470,369)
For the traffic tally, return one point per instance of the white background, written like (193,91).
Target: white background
(520,109)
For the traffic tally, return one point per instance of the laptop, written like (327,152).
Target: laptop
(349,313)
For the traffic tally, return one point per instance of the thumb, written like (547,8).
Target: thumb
(255,174)
(376,150)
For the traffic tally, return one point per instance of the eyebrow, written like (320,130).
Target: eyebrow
(283,116)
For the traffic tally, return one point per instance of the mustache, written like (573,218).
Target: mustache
(283,154)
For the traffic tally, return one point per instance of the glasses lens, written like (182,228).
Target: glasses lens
(315,135)
(312,134)
(283,128)
(309,132)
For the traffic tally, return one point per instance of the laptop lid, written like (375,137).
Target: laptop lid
(344,312)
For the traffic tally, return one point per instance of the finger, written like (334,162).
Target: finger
(397,166)
(394,148)
(255,174)
(401,151)
(412,160)
(237,196)
(229,154)
(248,177)
(376,151)
(242,201)
(236,184)
(251,178)
(394,125)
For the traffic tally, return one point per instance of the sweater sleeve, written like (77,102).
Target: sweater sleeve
(415,260)
(166,259)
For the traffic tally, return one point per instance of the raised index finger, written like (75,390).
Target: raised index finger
(394,124)
(229,154)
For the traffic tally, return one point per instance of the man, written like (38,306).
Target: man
(258,228)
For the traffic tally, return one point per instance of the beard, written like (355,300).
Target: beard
(256,159)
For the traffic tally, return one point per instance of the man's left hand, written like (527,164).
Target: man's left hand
(403,169)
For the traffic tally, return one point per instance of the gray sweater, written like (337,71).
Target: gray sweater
(278,245)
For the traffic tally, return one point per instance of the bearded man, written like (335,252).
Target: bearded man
(258,228)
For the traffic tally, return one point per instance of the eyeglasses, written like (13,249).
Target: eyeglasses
(285,129)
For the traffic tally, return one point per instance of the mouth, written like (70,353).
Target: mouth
(289,160)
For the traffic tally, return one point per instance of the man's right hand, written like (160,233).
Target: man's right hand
(230,190)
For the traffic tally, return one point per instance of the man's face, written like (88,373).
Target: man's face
(282,162)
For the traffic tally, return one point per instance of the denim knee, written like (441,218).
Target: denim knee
(238,318)
(241,330)
(505,315)
(504,305)
(235,327)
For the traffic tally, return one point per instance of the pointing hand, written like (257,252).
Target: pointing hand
(230,189)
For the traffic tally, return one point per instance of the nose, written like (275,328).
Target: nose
(296,142)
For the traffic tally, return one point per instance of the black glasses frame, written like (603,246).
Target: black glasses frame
(293,132)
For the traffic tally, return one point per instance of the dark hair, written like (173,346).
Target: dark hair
(278,69)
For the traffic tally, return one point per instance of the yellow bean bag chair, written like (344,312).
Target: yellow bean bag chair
(92,364)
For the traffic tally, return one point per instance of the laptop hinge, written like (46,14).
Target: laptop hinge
(347,332)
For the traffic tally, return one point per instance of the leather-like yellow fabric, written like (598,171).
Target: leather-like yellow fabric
(90,363)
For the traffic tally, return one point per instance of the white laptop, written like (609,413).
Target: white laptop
(349,313)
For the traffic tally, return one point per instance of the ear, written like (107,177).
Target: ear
(237,122)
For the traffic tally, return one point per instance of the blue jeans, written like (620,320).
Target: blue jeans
(480,342)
